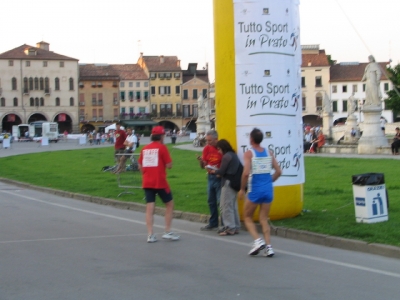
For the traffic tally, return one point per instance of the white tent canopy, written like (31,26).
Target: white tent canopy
(112,127)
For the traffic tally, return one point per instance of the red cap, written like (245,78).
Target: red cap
(158,130)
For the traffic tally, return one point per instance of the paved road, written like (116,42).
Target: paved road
(59,248)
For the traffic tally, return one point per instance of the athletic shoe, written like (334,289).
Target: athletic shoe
(152,238)
(269,251)
(208,227)
(170,236)
(258,245)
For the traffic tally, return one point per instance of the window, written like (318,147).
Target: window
(30,83)
(186,111)
(355,88)
(318,81)
(177,75)
(344,105)
(386,87)
(334,106)
(45,64)
(14,84)
(364,87)
(137,84)
(138,96)
(36,83)
(195,94)
(26,85)
(10,63)
(41,101)
(115,96)
(71,101)
(46,85)
(122,96)
(146,96)
(142,110)
(115,110)
(303,82)
(130,95)
(57,101)
(115,83)
(164,90)
(3,102)
(130,84)
(344,89)
(154,109)
(15,101)
(71,84)
(57,84)
(153,75)
(93,83)
(61,64)
(303,102)
(94,99)
(28,63)
(100,97)
(334,88)
(146,84)
(185,95)
(318,101)
(177,89)
(81,99)
(195,110)
(178,110)
(100,114)
(161,75)
(122,84)
(94,113)
(204,93)
(168,75)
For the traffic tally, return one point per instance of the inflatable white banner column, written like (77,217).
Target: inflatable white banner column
(267,84)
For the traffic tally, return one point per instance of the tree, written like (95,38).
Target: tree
(393,100)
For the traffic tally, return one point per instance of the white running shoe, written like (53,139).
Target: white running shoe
(152,238)
(269,252)
(258,245)
(170,236)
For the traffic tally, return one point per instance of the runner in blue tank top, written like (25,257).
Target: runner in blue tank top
(258,164)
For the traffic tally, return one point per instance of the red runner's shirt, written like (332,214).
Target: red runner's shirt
(211,156)
(120,137)
(153,160)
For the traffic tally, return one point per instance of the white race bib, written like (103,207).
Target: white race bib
(150,158)
(261,165)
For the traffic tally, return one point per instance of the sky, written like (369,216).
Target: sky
(115,32)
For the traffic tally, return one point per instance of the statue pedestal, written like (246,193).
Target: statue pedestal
(372,136)
(202,126)
(327,123)
(350,124)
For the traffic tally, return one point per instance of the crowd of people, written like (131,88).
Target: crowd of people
(313,140)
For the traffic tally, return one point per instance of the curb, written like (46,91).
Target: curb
(294,234)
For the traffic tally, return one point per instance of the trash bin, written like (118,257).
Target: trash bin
(370,201)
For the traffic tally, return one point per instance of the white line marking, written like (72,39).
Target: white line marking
(70,238)
(328,261)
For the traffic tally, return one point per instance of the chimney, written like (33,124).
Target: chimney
(161,59)
(309,63)
(178,63)
(43,45)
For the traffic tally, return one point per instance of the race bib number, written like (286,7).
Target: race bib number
(150,158)
(261,165)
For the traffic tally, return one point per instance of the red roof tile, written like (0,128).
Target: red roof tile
(316,60)
(154,63)
(41,54)
(352,72)
(111,72)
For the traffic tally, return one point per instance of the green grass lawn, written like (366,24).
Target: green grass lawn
(328,194)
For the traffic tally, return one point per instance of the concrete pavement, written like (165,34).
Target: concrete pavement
(329,241)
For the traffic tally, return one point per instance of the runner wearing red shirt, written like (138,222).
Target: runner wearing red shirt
(153,161)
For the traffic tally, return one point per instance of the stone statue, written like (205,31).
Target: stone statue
(352,104)
(202,105)
(327,104)
(372,77)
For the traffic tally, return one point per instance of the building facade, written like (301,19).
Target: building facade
(165,79)
(38,85)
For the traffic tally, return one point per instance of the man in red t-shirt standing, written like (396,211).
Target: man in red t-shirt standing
(153,161)
(212,158)
(120,137)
